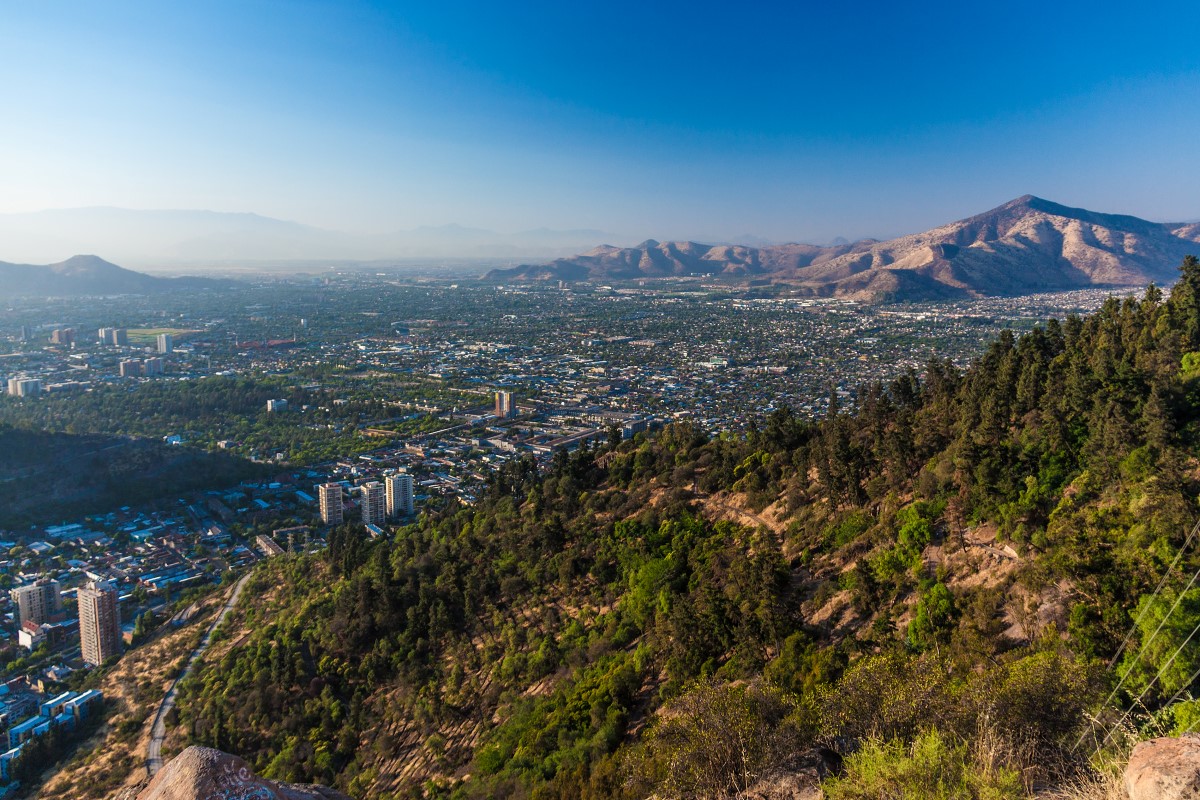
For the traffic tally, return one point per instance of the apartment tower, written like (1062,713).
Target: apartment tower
(330,496)
(99,622)
(37,602)
(399,495)
(374,508)
(504,405)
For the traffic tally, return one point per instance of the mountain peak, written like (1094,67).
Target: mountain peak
(78,262)
(87,275)
(1026,245)
(1026,202)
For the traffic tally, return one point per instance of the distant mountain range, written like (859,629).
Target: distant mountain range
(88,275)
(1024,246)
(168,239)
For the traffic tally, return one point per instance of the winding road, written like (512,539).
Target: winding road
(154,760)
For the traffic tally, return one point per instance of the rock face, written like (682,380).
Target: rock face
(201,773)
(800,779)
(786,786)
(1164,769)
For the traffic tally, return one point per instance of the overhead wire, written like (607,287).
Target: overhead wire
(1157,589)
(1137,622)
(1158,676)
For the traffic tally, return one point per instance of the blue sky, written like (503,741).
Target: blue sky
(796,121)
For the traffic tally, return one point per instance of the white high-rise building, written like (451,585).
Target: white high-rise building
(99,622)
(399,495)
(330,496)
(374,507)
(24,387)
(165,344)
(37,601)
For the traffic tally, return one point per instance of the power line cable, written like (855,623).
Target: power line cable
(1138,700)
(1141,615)
(1157,589)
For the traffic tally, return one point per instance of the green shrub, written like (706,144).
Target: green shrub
(718,739)
(933,767)
(889,695)
(848,528)
(935,619)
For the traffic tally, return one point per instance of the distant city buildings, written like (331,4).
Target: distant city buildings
(114,336)
(165,343)
(120,337)
(399,495)
(133,368)
(24,387)
(268,546)
(374,504)
(99,622)
(37,602)
(504,405)
(275,406)
(330,497)
(65,713)
(63,336)
(32,635)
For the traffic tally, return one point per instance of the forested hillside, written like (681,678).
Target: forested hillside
(203,412)
(52,477)
(945,569)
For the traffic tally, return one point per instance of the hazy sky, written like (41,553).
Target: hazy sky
(798,121)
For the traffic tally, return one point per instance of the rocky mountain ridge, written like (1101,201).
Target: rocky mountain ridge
(1026,245)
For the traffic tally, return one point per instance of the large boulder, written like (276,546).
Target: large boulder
(1164,769)
(799,779)
(201,773)
(785,786)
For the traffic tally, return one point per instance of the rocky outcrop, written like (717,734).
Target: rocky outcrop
(799,779)
(201,773)
(1164,769)
(785,786)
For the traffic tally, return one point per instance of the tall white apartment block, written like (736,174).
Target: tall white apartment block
(399,495)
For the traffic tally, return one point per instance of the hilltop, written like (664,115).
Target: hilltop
(1024,246)
(88,275)
(89,473)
